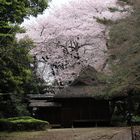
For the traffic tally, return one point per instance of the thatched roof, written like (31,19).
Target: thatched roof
(43,103)
(40,96)
(85,85)
(87,76)
(81,92)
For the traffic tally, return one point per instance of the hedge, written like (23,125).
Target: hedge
(22,124)
(136,120)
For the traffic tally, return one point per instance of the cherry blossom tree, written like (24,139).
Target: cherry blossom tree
(73,36)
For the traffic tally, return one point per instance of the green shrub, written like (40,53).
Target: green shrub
(136,120)
(118,120)
(22,124)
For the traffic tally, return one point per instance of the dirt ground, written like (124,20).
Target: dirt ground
(103,133)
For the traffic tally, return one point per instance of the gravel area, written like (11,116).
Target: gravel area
(114,133)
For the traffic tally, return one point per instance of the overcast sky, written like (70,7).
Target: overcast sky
(54,4)
(58,2)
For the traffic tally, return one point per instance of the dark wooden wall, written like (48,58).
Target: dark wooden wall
(50,114)
(84,110)
(76,110)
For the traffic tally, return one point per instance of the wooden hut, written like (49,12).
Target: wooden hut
(43,106)
(76,105)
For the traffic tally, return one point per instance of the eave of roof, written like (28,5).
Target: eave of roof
(40,96)
(44,104)
(81,92)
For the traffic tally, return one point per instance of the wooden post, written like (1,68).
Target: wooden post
(129,118)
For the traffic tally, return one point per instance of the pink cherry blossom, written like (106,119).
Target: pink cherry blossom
(71,37)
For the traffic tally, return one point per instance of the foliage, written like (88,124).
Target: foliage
(104,21)
(12,105)
(15,77)
(124,48)
(113,9)
(136,120)
(130,2)
(118,120)
(14,11)
(14,68)
(67,41)
(16,73)
(22,124)
(124,1)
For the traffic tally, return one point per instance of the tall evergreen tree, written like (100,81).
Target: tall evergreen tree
(16,76)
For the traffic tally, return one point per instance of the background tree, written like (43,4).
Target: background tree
(13,12)
(16,76)
(66,41)
(124,50)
